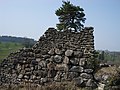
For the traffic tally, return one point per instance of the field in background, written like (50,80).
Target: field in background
(111,57)
(7,47)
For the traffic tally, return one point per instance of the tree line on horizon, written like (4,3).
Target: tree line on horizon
(27,42)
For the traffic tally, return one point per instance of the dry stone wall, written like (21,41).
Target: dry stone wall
(57,56)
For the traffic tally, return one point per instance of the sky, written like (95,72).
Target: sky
(31,18)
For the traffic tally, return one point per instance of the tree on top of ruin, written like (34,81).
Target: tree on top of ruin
(71,17)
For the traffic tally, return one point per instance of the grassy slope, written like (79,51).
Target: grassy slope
(6,48)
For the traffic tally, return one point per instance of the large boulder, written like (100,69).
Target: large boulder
(109,76)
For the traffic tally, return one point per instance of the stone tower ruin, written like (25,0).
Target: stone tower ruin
(57,56)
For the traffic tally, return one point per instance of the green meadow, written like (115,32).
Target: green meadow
(7,47)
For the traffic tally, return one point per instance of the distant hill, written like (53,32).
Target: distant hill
(15,39)
(27,42)
(10,44)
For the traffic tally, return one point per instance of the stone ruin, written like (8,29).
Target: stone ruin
(57,56)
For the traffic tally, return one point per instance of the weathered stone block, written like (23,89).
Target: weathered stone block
(46,56)
(72,75)
(76,69)
(58,76)
(69,52)
(91,83)
(26,77)
(51,52)
(33,77)
(18,67)
(38,59)
(27,69)
(42,73)
(78,54)
(51,66)
(66,60)
(57,59)
(61,67)
(78,81)
(43,64)
(86,76)
(58,51)
(43,80)
(88,71)
(20,76)
(82,61)
(51,73)
(74,61)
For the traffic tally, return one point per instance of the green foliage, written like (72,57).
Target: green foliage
(102,56)
(70,17)
(27,43)
(109,57)
(52,86)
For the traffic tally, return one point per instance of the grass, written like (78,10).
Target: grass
(7,48)
(50,86)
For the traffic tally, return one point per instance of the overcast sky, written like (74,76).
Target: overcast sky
(31,18)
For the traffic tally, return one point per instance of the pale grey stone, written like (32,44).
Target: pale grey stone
(58,51)
(88,70)
(74,61)
(26,77)
(86,76)
(33,77)
(82,62)
(38,59)
(69,52)
(57,59)
(20,76)
(44,80)
(51,52)
(76,69)
(66,60)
